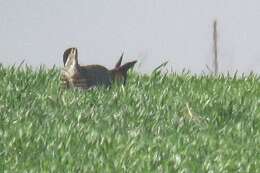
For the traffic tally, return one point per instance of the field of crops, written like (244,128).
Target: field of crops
(157,123)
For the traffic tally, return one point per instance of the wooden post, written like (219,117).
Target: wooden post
(215,47)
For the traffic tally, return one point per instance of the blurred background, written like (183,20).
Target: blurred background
(151,31)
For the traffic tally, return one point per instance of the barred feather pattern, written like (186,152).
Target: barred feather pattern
(86,77)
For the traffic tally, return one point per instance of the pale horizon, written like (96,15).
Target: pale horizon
(151,32)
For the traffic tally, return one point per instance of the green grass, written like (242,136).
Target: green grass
(157,123)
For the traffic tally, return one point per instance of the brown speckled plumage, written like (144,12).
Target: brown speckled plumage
(85,77)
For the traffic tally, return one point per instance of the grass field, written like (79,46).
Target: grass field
(157,123)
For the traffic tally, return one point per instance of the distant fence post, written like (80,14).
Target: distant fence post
(215,47)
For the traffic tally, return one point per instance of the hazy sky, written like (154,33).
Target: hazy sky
(150,31)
